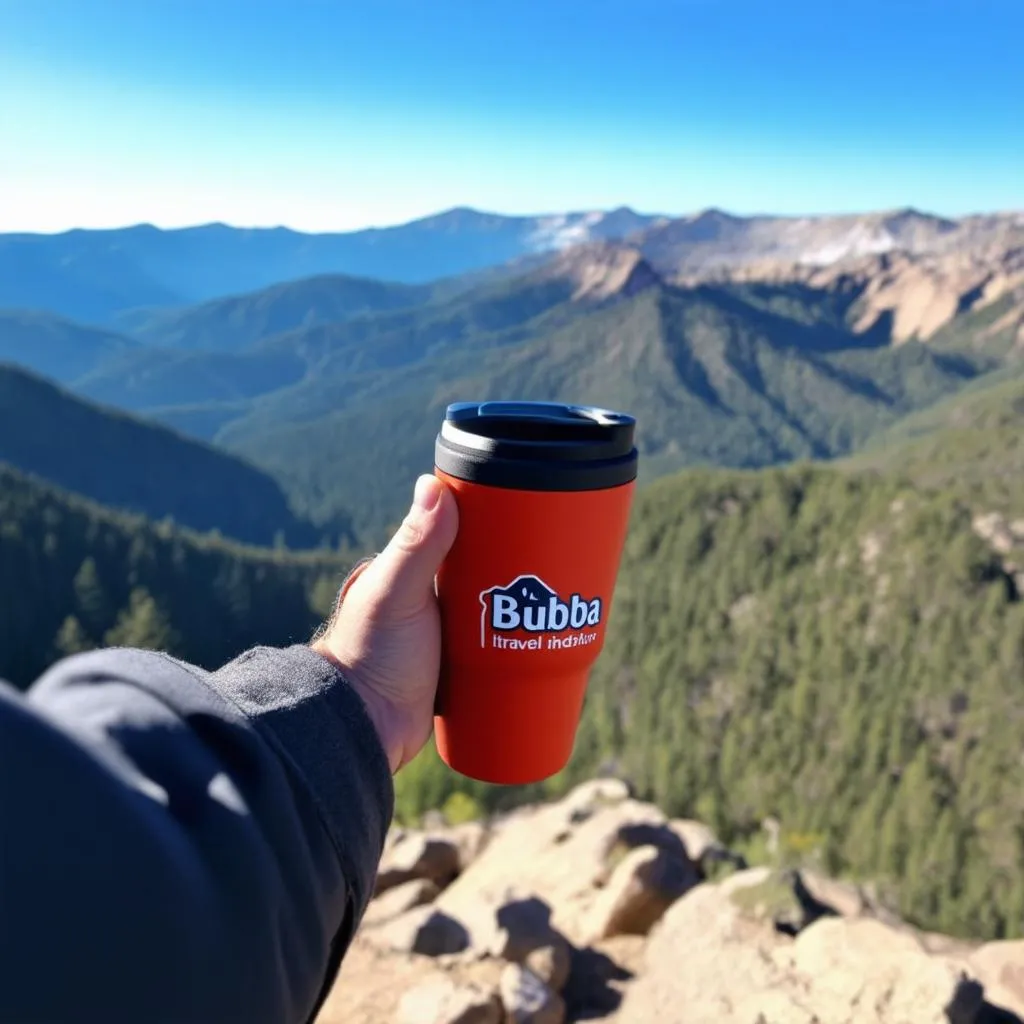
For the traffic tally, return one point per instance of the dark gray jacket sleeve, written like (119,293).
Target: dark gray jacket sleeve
(183,846)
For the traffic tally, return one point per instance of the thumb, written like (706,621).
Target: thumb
(401,577)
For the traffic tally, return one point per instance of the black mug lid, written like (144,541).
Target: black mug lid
(537,446)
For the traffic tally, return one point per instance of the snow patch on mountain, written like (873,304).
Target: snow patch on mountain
(860,240)
(561,231)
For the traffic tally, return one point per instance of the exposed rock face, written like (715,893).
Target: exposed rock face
(652,942)
(724,966)
(1000,965)
(905,285)
(603,270)
(415,855)
(642,887)
(559,853)
(440,1001)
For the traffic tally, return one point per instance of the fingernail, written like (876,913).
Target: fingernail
(427,493)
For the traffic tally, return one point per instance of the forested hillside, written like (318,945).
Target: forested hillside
(59,349)
(74,575)
(321,382)
(841,651)
(227,324)
(713,376)
(125,462)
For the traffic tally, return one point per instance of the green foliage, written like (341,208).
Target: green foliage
(74,576)
(461,807)
(238,321)
(714,377)
(142,624)
(428,784)
(840,652)
(71,638)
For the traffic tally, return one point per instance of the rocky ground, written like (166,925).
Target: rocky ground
(599,908)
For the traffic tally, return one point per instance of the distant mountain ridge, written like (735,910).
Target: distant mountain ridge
(97,275)
(755,358)
(140,467)
(93,275)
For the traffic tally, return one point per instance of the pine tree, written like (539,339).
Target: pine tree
(71,638)
(142,624)
(90,597)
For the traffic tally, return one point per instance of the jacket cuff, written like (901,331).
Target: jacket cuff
(303,706)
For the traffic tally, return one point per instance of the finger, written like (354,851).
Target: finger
(402,575)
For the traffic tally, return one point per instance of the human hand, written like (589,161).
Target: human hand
(385,632)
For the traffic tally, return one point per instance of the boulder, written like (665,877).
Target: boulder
(642,887)
(441,1001)
(528,1000)
(1000,965)
(400,899)
(552,859)
(511,928)
(844,898)
(552,964)
(702,959)
(418,855)
(726,966)
(697,838)
(581,802)
(851,967)
(424,930)
(631,835)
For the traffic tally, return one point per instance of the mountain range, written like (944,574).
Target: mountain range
(334,384)
(97,275)
(833,648)
(92,275)
(738,341)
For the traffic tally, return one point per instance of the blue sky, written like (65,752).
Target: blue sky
(328,114)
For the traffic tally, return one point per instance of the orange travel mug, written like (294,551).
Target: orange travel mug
(544,492)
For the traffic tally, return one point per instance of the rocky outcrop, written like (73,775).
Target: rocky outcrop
(563,854)
(415,855)
(599,907)
(424,930)
(1000,965)
(441,1001)
(511,928)
(727,965)
(642,887)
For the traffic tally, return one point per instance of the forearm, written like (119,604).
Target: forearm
(182,846)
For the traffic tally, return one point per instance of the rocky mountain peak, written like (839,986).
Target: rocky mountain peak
(604,270)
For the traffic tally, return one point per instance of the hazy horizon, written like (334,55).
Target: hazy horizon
(500,213)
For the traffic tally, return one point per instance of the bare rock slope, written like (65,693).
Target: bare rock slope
(599,907)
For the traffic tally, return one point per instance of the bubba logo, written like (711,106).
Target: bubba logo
(528,604)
